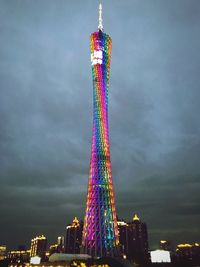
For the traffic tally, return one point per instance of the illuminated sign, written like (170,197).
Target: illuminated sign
(96,57)
(35,260)
(160,256)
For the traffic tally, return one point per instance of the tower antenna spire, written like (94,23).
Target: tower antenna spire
(100,27)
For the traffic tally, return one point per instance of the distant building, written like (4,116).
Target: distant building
(58,247)
(137,241)
(61,244)
(123,237)
(73,236)
(18,256)
(184,252)
(38,246)
(188,253)
(2,252)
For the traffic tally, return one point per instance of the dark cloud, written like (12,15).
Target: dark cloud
(46,114)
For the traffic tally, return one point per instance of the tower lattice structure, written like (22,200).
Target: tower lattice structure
(100,232)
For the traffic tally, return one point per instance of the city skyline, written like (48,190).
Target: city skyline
(46,108)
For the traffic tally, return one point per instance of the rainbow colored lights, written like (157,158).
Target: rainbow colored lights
(100,233)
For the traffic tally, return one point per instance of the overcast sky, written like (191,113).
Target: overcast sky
(46,114)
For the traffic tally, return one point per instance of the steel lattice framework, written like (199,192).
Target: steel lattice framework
(100,233)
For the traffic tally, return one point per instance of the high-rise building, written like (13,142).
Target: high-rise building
(74,236)
(123,237)
(38,246)
(137,241)
(2,252)
(100,233)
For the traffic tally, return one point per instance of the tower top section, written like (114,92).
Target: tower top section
(100,27)
(136,217)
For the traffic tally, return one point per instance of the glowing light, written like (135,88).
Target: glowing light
(75,223)
(136,218)
(100,27)
(160,256)
(96,57)
(163,241)
(35,260)
(121,223)
(40,237)
(100,233)
(184,246)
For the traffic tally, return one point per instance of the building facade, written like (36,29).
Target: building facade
(61,244)
(100,233)
(188,254)
(38,246)
(123,237)
(137,241)
(2,252)
(74,237)
(18,256)
(59,247)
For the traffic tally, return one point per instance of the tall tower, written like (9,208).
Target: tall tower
(100,232)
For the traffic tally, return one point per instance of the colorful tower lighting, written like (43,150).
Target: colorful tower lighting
(100,232)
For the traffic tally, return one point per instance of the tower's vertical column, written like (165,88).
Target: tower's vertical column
(100,233)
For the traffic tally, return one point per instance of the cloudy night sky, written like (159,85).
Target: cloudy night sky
(46,115)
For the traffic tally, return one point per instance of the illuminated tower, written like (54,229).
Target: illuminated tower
(100,233)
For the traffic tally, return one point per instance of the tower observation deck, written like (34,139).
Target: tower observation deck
(100,232)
